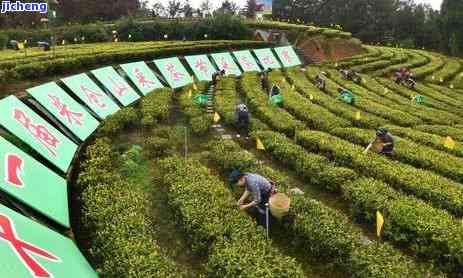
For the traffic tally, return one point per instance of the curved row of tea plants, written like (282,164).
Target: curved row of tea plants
(314,223)
(207,212)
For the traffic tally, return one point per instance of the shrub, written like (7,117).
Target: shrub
(121,243)
(156,147)
(199,119)
(203,203)
(125,118)
(155,107)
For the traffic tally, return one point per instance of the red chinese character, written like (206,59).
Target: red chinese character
(175,75)
(23,250)
(65,112)
(246,63)
(13,170)
(142,79)
(268,60)
(286,56)
(38,131)
(119,88)
(201,65)
(93,97)
(226,66)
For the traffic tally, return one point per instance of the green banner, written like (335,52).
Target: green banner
(87,91)
(20,120)
(116,85)
(225,62)
(142,76)
(288,56)
(70,113)
(246,60)
(31,250)
(267,59)
(201,66)
(32,183)
(174,72)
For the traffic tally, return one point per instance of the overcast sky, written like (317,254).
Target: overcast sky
(195,3)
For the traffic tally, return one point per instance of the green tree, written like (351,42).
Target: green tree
(452,26)
(251,8)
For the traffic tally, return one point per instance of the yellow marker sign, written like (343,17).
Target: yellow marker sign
(189,94)
(311,97)
(451,86)
(195,87)
(293,87)
(379,223)
(21,46)
(358,116)
(336,65)
(433,77)
(63,42)
(216,117)
(441,80)
(449,143)
(260,145)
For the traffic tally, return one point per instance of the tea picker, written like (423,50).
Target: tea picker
(242,120)
(383,143)
(321,80)
(346,95)
(264,197)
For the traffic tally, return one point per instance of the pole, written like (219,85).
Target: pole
(186,143)
(267,222)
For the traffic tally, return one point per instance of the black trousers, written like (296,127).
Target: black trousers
(243,128)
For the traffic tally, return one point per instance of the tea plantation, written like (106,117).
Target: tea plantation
(149,194)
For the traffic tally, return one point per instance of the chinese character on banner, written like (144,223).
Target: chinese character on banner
(93,97)
(226,66)
(39,132)
(201,65)
(142,80)
(14,169)
(176,76)
(24,250)
(268,60)
(65,112)
(119,88)
(245,62)
(286,56)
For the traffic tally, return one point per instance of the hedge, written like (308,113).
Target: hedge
(415,60)
(125,118)
(258,102)
(391,58)
(427,114)
(443,130)
(446,103)
(437,190)
(337,107)
(435,64)
(65,65)
(312,114)
(318,229)
(446,73)
(377,114)
(411,153)
(208,213)
(451,93)
(366,196)
(198,118)
(369,103)
(121,242)
(155,107)
(427,139)
(428,102)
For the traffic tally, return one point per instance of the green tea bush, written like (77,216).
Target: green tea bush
(121,242)
(198,117)
(126,118)
(155,107)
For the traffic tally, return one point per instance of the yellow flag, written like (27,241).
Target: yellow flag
(449,143)
(433,77)
(451,86)
(189,94)
(379,223)
(336,65)
(63,42)
(216,117)
(441,80)
(195,87)
(21,45)
(260,145)
(358,116)
(311,97)
(293,87)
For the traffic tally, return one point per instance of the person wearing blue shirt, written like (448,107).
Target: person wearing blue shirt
(257,187)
